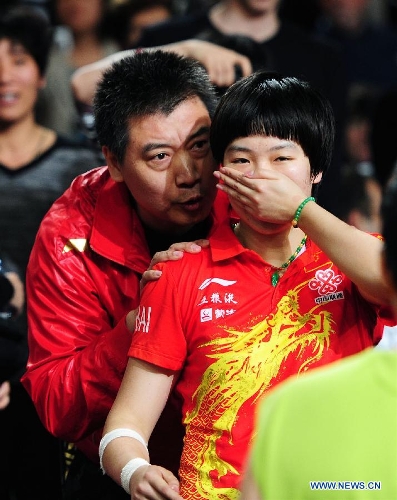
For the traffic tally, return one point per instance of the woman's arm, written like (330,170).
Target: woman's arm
(274,197)
(138,405)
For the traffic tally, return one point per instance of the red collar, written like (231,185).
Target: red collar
(117,233)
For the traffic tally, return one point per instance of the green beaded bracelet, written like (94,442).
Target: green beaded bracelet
(299,210)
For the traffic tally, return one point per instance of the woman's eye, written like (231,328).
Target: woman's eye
(240,160)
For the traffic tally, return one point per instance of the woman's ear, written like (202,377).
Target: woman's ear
(113,164)
(318,178)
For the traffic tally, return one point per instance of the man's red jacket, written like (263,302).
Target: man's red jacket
(83,278)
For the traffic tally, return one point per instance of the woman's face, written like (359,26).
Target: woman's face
(20,81)
(80,15)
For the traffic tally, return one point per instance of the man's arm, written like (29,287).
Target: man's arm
(77,351)
(219,62)
(139,403)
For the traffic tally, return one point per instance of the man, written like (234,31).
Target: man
(288,288)
(336,428)
(153,115)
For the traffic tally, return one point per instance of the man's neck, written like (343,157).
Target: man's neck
(231,18)
(158,241)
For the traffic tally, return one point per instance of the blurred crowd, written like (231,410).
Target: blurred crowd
(346,48)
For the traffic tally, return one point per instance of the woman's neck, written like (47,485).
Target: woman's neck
(22,142)
(274,248)
(87,49)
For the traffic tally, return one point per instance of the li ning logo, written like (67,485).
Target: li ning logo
(326,283)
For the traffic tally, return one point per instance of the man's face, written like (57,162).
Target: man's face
(168,167)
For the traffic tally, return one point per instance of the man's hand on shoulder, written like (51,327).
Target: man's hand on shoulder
(175,252)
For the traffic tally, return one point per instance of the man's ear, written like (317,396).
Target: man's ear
(113,165)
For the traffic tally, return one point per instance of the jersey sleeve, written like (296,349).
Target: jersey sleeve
(159,337)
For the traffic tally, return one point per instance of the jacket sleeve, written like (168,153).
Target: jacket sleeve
(78,341)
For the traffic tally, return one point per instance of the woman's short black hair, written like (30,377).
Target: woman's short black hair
(30,27)
(266,103)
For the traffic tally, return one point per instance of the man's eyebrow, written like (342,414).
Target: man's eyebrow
(154,145)
(150,146)
(202,130)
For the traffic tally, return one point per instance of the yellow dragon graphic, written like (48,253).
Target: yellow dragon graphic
(244,367)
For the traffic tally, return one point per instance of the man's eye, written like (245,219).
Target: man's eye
(200,144)
(160,156)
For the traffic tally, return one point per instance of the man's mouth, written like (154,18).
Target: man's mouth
(192,204)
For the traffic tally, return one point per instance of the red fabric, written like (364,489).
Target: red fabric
(216,317)
(78,297)
(77,302)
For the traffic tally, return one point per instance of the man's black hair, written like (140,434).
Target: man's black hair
(30,27)
(266,103)
(145,84)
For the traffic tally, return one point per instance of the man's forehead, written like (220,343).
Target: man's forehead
(184,122)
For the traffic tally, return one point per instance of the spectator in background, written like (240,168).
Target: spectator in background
(130,17)
(360,198)
(358,131)
(337,424)
(80,38)
(369,49)
(36,165)
(256,30)
(12,299)
(383,135)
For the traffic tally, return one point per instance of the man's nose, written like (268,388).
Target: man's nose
(187,171)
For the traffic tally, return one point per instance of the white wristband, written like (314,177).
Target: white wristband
(129,469)
(116,433)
